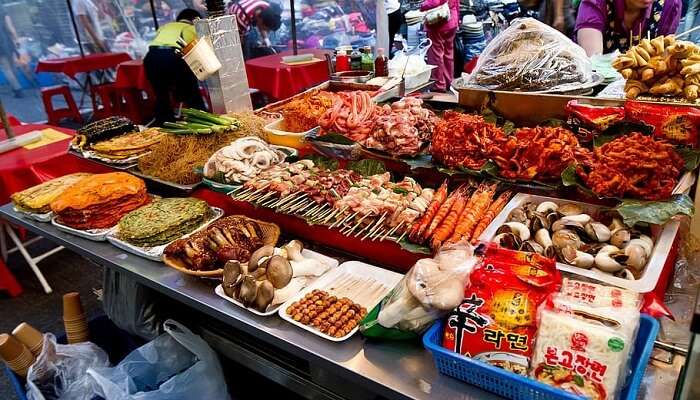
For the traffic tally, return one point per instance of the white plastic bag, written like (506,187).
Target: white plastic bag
(413,61)
(177,365)
(59,371)
(530,56)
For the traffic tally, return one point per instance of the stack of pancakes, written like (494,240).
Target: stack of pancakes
(127,145)
(163,221)
(37,199)
(100,201)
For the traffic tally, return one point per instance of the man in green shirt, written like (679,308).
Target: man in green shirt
(168,72)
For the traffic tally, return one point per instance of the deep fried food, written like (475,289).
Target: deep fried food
(635,165)
(302,114)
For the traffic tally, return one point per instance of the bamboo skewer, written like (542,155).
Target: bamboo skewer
(392,230)
(376,226)
(285,199)
(293,203)
(379,234)
(300,205)
(313,209)
(357,224)
(338,223)
(309,204)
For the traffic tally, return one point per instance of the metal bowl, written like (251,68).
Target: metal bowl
(352,76)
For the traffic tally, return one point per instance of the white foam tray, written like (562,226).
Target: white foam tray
(331,262)
(663,237)
(387,278)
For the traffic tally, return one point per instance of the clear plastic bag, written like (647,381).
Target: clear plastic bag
(59,371)
(130,305)
(432,288)
(177,365)
(530,56)
(411,62)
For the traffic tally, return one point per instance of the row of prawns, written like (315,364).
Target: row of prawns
(463,215)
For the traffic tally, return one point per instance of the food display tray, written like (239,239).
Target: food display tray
(517,387)
(387,278)
(186,188)
(331,262)
(46,217)
(96,235)
(109,163)
(663,237)
(153,253)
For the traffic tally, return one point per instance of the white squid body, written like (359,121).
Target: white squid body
(243,159)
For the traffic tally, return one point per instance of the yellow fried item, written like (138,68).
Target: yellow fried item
(672,86)
(658,44)
(37,199)
(627,73)
(634,88)
(691,92)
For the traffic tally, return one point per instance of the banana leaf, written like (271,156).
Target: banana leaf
(333,137)
(414,248)
(655,212)
(330,164)
(690,156)
(367,167)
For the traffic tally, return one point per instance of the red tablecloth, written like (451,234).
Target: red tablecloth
(74,65)
(132,75)
(280,81)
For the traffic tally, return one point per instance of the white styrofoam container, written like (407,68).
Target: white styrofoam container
(331,262)
(387,278)
(421,78)
(663,237)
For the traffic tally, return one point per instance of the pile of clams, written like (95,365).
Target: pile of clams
(565,232)
(272,276)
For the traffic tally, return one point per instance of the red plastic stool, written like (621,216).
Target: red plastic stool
(131,104)
(104,100)
(56,115)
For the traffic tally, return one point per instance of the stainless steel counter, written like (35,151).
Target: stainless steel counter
(388,369)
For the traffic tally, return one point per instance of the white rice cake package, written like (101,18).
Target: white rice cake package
(583,352)
(597,295)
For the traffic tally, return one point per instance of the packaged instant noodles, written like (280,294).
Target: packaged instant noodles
(585,337)
(496,322)
(588,120)
(677,124)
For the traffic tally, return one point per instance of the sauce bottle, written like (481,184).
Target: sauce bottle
(342,62)
(381,64)
(367,59)
(355,60)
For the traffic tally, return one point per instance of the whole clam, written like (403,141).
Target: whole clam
(597,231)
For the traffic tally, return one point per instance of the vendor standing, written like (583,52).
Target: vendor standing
(603,26)
(168,72)
(256,19)
(442,35)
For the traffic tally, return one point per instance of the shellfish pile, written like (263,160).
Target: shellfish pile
(566,232)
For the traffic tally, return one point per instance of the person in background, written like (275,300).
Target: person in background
(603,26)
(168,72)
(8,50)
(691,14)
(87,15)
(393,11)
(441,53)
(256,19)
(198,5)
(559,14)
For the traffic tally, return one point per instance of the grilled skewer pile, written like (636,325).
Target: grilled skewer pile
(371,207)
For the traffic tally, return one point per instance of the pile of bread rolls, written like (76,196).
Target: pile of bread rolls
(662,66)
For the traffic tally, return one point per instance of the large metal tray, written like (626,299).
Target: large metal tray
(46,217)
(96,235)
(153,253)
(120,165)
(186,188)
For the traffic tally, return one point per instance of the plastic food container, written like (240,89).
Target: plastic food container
(663,237)
(418,79)
(514,386)
(278,136)
(202,60)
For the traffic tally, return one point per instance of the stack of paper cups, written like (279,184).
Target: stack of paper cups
(16,355)
(74,319)
(30,337)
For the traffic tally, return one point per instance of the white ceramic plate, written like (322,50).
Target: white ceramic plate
(364,295)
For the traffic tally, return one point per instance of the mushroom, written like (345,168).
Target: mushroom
(232,277)
(597,231)
(293,250)
(258,255)
(577,258)
(266,292)
(279,271)
(248,291)
(259,274)
(294,286)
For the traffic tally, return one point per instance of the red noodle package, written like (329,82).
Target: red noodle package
(677,124)
(496,322)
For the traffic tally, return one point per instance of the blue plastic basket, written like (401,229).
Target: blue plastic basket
(514,386)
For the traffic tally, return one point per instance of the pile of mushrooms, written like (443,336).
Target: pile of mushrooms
(564,231)
(271,276)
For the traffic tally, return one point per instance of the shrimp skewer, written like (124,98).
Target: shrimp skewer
(420,226)
(447,226)
(471,216)
(490,214)
(440,215)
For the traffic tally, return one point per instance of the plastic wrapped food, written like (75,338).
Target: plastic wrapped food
(677,124)
(584,342)
(429,290)
(496,322)
(530,56)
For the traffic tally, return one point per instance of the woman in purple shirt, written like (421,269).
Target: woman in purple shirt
(603,26)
